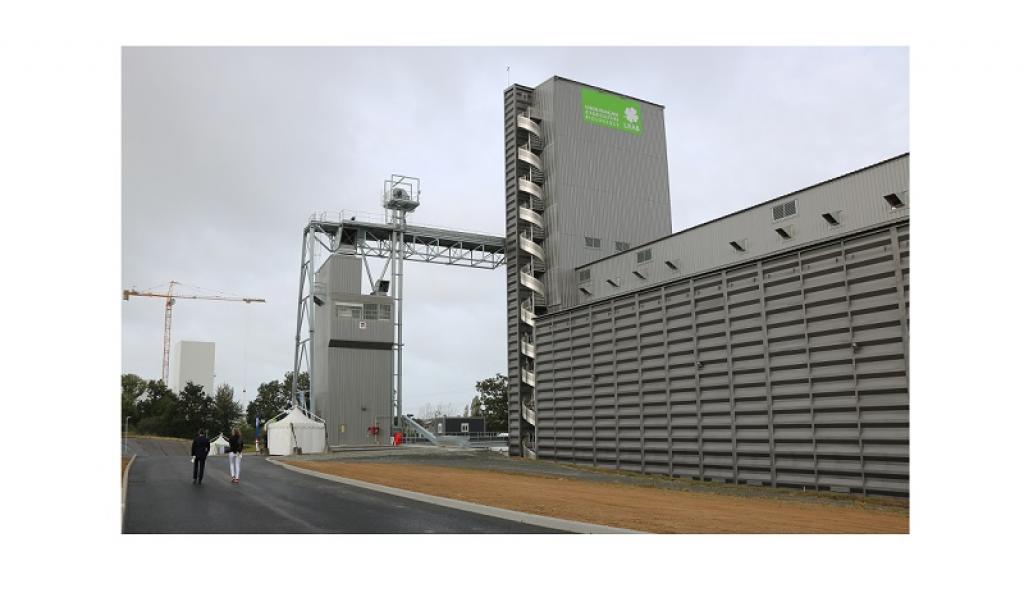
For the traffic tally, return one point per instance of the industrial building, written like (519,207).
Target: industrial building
(193,362)
(351,341)
(448,425)
(586,176)
(354,343)
(766,347)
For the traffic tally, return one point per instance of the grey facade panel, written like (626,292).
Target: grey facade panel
(600,182)
(856,201)
(788,371)
(353,356)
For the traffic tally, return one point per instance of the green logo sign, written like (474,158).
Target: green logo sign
(609,110)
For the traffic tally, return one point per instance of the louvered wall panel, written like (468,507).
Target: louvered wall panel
(786,371)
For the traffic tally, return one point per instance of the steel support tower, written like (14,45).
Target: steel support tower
(395,241)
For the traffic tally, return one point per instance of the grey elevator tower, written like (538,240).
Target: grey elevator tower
(354,352)
(586,176)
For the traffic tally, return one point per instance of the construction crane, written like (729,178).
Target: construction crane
(170,298)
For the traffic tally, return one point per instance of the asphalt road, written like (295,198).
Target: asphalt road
(271,499)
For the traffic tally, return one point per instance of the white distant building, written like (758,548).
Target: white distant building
(193,361)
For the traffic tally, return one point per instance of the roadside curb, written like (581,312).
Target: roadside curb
(482,509)
(124,488)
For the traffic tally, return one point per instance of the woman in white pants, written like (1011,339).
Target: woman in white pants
(235,454)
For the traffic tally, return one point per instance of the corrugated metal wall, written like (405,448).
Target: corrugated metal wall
(786,371)
(601,183)
(856,200)
(353,359)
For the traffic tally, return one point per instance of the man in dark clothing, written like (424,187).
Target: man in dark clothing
(200,449)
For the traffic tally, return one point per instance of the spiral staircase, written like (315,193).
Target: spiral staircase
(533,296)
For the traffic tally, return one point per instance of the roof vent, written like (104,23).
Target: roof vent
(612,282)
(738,245)
(672,264)
(785,233)
(831,218)
(894,201)
(781,211)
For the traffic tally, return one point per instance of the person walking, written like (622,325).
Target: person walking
(235,454)
(200,450)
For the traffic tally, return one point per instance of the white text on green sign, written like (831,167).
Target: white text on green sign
(609,110)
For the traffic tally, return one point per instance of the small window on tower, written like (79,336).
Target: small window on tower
(592,242)
(385,312)
(348,310)
(583,276)
(370,312)
(643,255)
(621,246)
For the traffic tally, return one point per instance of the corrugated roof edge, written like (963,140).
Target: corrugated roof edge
(518,85)
(661,106)
(733,265)
(595,87)
(743,210)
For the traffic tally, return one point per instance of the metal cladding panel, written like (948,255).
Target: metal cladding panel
(855,200)
(352,378)
(363,329)
(359,381)
(600,182)
(340,274)
(790,370)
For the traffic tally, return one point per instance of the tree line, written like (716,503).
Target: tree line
(152,408)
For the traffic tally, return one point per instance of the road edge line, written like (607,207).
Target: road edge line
(482,509)
(124,488)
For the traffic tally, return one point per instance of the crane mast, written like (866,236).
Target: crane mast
(169,299)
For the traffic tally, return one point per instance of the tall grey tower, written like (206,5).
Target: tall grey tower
(586,176)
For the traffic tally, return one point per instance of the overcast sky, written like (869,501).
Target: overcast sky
(226,153)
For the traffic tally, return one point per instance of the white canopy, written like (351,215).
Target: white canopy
(219,445)
(296,429)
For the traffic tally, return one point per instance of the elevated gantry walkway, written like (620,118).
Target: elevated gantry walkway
(417,243)
(395,241)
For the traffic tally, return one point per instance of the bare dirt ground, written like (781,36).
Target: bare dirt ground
(638,506)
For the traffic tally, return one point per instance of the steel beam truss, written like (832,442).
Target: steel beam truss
(394,241)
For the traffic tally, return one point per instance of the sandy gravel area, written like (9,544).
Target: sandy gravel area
(619,505)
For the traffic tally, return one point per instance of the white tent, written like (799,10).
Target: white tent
(295,428)
(219,445)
